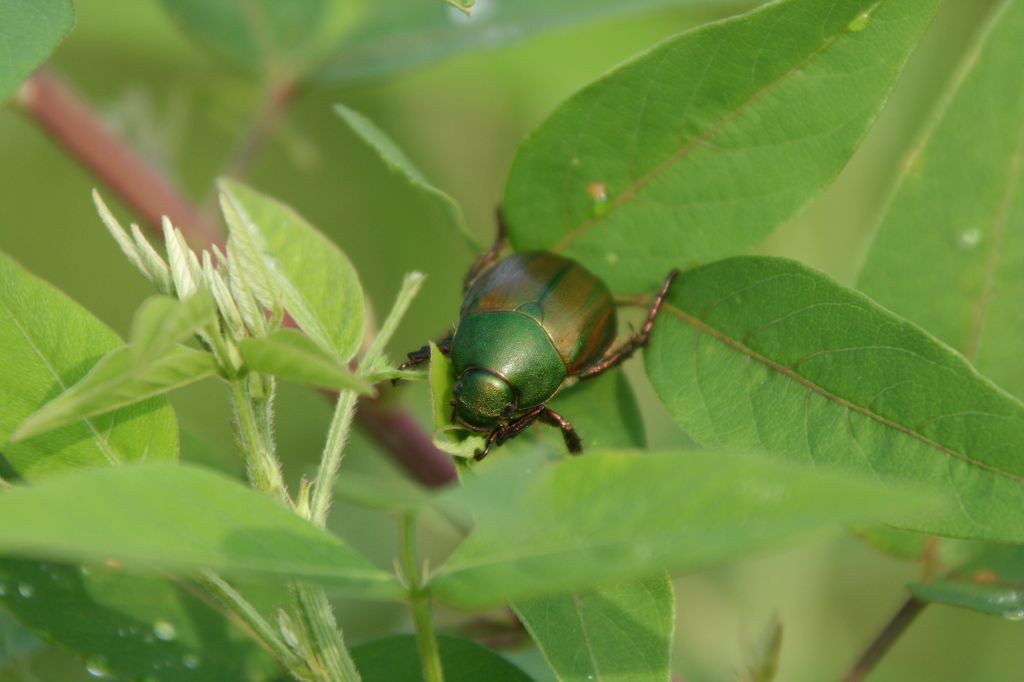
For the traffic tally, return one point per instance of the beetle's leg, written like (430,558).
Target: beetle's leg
(621,354)
(423,354)
(489,258)
(505,432)
(572,439)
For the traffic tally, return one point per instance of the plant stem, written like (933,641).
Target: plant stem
(322,634)
(885,639)
(344,409)
(266,633)
(419,603)
(252,428)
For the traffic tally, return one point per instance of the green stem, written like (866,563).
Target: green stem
(252,428)
(266,633)
(344,409)
(322,634)
(419,602)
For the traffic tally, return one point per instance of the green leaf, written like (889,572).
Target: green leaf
(398,162)
(947,254)
(116,382)
(620,633)
(269,36)
(290,354)
(576,525)
(702,146)
(130,626)
(320,287)
(180,518)
(48,343)
(407,33)
(992,583)
(768,354)
(29,32)
(396,659)
(573,631)
(162,322)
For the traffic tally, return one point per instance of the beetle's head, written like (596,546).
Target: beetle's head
(482,398)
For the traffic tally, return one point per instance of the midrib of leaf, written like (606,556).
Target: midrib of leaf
(1013,176)
(108,451)
(788,372)
(586,636)
(638,185)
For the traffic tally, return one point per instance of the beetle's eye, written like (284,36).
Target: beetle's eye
(457,388)
(508,410)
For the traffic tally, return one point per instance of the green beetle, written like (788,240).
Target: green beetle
(528,323)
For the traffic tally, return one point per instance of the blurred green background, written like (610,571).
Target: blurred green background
(460,120)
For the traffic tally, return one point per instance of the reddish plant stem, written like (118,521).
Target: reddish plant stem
(885,639)
(73,124)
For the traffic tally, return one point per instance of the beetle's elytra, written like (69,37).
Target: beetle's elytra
(528,323)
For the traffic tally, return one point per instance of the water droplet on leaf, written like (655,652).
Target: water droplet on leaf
(164,631)
(26,590)
(191,661)
(970,238)
(1014,614)
(96,665)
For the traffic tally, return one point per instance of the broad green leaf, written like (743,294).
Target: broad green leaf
(702,146)
(130,626)
(577,524)
(993,582)
(162,322)
(29,31)
(947,254)
(407,33)
(620,633)
(768,354)
(320,287)
(290,354)
(116,382)
(48,343)
(180,518)
(270,36)
(397,659)
(399,163)
(574,631)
